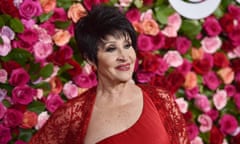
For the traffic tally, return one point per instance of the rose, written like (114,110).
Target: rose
(12,118)
(76,11)
(205,123)
(3,75)
(147,2)
(84,80)
(228,124)
(230,89)
(220,99)
(182,44)
(133,15)
(29,36)
(174,81)
(43,34)
(56,85)
(211,44)
(9,8)
(70,90)
(125,3)
(20,142)
(235,139)
(5,48)
(89,3)
(235,65)
(169,31)
(226,74)
(19,77)
(42,50)
(173,58)
(185,67)
(192,130)
(182,104)
(202,102)
(213,114)
(58,15)
(227,22)
(53,102)
(220,59)
(197,140)
(190,80)
(76,68)
(7,31)
(150,27)
(211,80)
(212,26)
(144,42)
(42,118)
(216,136)
(192,93)
(150,62)
(29,9)
(62,55)
(234,10)
(163,66)
(48,5)
(169,42)
(234,36)
(23,94)
(29,120)
(61,37)
(197,54)
(22,44)
(236,99)
(143,76)
(3,110)
(5,134)
(227,46)
(202,66)
(158,41)
(174,21)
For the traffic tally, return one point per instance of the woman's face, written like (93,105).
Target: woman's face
(116,59)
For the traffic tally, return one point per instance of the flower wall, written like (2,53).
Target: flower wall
(197,60)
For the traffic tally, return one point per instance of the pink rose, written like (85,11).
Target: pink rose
(5,47)
(143,76)
(212,26)
(20,142)
(173,58)
(30,8)
(3,75)
(89,3)
(19,77)
(12,118)
(197,140)
(228,124)
(84,80)
(220,99)
(230,89)
(211,80)
(234,36)
(23,94)
(192,130)
(185,67)
(192,93)
(175,21)
(70,90)
(205,123)
(144,42)
(169,31)
(42,118)
(182,44)
(43,35)
(59,14)
(29,36)
(158,41)
(7,31)
(147,15)
(213,114)
(5,134)
(53,102)
(133,15)
(3,110)
(202,102)
(182,104)
(42,50)
(211,44)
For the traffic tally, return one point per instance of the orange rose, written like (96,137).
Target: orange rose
(61,37)
(76,11)
(150,27)
(197,53)
(226,74)
(56,85)
(190,80)
(138,27)
(48,5)
(29,120)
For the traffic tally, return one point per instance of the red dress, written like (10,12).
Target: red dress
(69,123)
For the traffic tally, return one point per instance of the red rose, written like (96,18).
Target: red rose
(150,63)
(61,56)
(202,66)
(89,3)
(235,65)
(7,7)
(169,42)
(220,60)
(174,81)
(235,139)
(216,136)
(227,46)
(77,69)
(147,2)
(227,23)
(19,77)
(159,81)
(9,66)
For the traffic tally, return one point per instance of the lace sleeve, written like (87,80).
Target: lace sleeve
(173,118)
(55,129)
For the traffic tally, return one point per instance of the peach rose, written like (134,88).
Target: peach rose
(76,11)
(138,27)
(190,80)
(56,85)
(48,5)
(226,74)
(29,119)
(61,37)
(150,27)
(197,53)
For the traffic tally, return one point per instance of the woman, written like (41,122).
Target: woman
(116,111)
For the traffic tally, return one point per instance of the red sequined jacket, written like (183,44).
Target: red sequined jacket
(68,124)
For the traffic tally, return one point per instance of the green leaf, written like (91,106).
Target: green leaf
(64,68)
(190,28)
(19,55)
(26,134)
(46,71)
(2,23)
(162,13)
(34,71)
(45,16)
(36,106)
(16,25)
(4,19)
(64,3)
(62,24)
(138,3)
(6,103)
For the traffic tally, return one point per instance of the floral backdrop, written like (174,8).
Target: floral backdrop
(198,60)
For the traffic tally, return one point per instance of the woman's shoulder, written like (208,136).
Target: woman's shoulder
(155,90)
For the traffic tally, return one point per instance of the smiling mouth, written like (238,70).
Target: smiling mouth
(123,67)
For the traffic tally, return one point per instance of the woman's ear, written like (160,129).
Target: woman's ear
(94,66)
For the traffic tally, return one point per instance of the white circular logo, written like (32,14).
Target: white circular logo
(195,9)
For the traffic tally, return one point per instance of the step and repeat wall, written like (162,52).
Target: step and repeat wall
(191,47)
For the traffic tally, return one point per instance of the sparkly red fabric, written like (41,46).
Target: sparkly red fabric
(68,125)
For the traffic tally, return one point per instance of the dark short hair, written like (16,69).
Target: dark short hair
(102,20)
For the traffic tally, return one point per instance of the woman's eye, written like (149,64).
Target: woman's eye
(127,46)
(110,49)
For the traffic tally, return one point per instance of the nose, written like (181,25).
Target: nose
(122,56)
